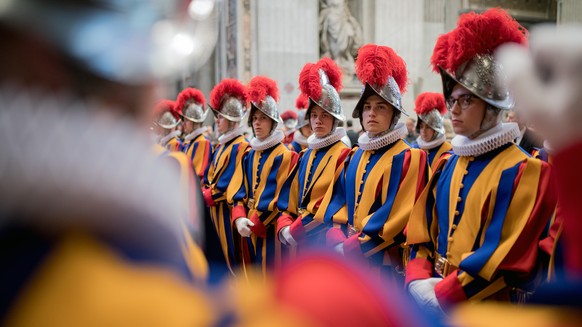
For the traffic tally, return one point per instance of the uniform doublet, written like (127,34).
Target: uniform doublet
(374,197)
(304,189)
(218,180)
(261,176)
(477,223)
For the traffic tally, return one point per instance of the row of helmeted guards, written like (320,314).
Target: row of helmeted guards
(473,227)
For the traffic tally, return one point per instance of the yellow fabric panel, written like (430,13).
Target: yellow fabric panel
(519,210)
(491,289)
(199,157)
(194,256)
(215,171)
(446,146)
(84,283)
(510,315)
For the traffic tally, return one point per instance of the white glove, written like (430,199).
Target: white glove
(242,225)
(422,291)
(286,238)
(339,248)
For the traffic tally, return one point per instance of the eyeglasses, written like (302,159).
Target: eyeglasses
(464,101)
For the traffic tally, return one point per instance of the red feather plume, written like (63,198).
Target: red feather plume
(163,106)
(428,101)
(332,70)
(302,101)
(228,87)
(440,53)
(260,87)
(189,93)
(309,79)
(482,34)
(376,63)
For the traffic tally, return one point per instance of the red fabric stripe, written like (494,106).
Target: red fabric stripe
(523,254)
(449,291)
(405,165)
(422,178)
(418,268)
(569,178)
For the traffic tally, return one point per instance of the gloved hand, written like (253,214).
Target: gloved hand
(422,291)
(339,248)
(286,238)
(242,225)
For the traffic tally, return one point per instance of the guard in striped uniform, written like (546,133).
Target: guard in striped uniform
(228,102)
(376,191)
(303,131)
(166,119)
(192,106)
(263,172)
(430,108)
(476,226)
(321,164)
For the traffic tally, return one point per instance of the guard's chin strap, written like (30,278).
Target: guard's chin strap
(490,120)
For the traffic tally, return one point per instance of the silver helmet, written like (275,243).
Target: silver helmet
(329,99)
(433,119)
(229,99)
(484,77)
(264,95)
(321,82)
(191,105)
(167,120)
(195,112)
(301,119)
(464,55)
(383,73)
(430,108)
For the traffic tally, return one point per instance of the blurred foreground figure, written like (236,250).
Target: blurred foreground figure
(547,81)
(93,225)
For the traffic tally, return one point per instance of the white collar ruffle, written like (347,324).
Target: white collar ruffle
(440,139)
(275,138)
(231,135)
(488,141)
(316,143)
(365,142)
(299,138)
(195,133)
(164,140)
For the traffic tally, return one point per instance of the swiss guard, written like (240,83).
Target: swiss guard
(430,108)
(476,226)
(228,102)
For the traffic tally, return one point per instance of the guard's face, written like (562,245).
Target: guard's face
(426,132)
(467,111)
(321,121)
(377,115)
(306,130)
(262,125)
(188,126)
(222,124)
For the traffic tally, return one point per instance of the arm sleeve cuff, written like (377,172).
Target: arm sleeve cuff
(418,268)
(283,221)
(238,211)
(449,291)
(334,236)
(207,194)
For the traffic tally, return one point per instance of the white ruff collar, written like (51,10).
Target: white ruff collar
(195,133)
(316,143)
(164,140)
(365,142)
(269,142)
(299,138)
(231,135)
(488,141)
(441,138)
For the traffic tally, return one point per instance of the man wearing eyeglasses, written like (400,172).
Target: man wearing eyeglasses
(474,229)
